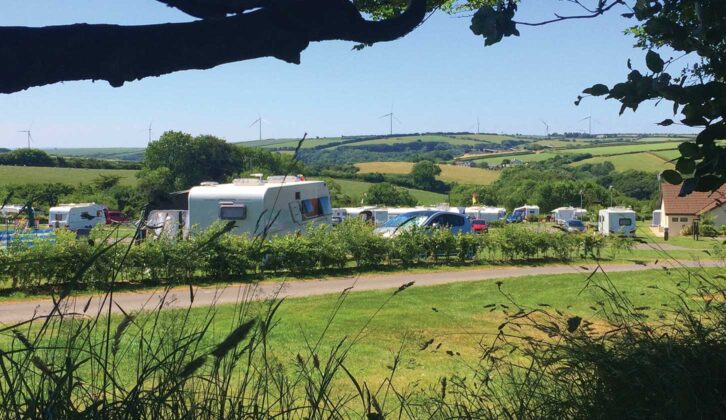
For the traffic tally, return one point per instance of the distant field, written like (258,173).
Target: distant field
(668,154)
(73,176)
(450,173)
(647,162)
(356,189)
(496,159)
(492,138)
(623,148)
(113,153)
(414,139)
(561,143)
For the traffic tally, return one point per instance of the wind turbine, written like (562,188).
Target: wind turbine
(390,116)
(589,123)
(477,125)
(259,121)
(30,136)
(547,128)
(149,130)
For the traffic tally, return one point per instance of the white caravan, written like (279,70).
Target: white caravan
(276,206)
(77,216)
(655,221)
(616,220)
(564,214)
(167,224)
(488,214)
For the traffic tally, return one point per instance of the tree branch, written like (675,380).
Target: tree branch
(601,9)
(214,9)
(118,54)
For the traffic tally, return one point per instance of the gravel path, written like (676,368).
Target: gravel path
(13,312)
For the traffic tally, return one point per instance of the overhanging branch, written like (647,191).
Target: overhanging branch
(118,54)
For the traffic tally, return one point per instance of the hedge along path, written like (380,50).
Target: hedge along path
(180,297)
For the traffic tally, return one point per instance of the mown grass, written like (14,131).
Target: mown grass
(73,176)
(458,317)
(449,173)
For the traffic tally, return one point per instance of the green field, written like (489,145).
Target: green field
(497,158)
(647,162)
(622,148)
(414,139)
(355,190)
(73,176)
(449,173)
(455,316)
(491,138)
(111,153)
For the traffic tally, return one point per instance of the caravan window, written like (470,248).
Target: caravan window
(625,221)
(315,207)
(59,217)
(233,212)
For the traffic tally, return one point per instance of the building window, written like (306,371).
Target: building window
(684,219)
(674,219)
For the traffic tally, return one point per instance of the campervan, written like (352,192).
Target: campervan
(488,214)
(275,206)
(616,220)
(78,217)
(520,214)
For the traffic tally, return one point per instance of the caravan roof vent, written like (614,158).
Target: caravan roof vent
(280,179)
(209,183)
(247,181)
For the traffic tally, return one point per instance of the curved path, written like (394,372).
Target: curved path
(180,297)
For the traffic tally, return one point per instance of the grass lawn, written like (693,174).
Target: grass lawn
(451,173)
(648,162)
(455,316)
(355,190)
(74,176)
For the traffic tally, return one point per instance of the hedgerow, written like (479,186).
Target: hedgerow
(214,255)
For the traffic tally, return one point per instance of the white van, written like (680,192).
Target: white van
(276,206)
(616,220)
(77,216)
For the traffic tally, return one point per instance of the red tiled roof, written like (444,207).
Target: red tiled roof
(694,203)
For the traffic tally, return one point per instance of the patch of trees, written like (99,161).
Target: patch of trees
(407,152)
(386,194)
(36,157)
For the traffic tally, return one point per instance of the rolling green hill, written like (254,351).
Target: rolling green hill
(356,189)
(110,153)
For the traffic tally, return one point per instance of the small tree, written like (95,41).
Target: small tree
(386,194)
(423,174)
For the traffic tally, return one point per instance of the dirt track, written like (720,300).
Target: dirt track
(12,312)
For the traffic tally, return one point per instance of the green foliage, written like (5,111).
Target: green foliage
(386,194)
(423,174)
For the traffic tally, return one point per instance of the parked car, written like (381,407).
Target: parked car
(479,226)
(456,222)
(115,216)
(574,226)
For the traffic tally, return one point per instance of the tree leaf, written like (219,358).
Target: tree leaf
(709,183)
(688,149)
(685,166)
(654,62)
(672,177)
(666,122)
(597,90)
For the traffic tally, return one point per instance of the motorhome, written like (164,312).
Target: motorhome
(78,217)
(521,214)
(275,206)
(616,220)
(488,214)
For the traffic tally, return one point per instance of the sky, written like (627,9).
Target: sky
(438,78)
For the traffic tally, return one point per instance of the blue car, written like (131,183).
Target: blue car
(516,216)
(455,222)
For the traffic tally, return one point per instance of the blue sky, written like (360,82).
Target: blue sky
(438,78)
